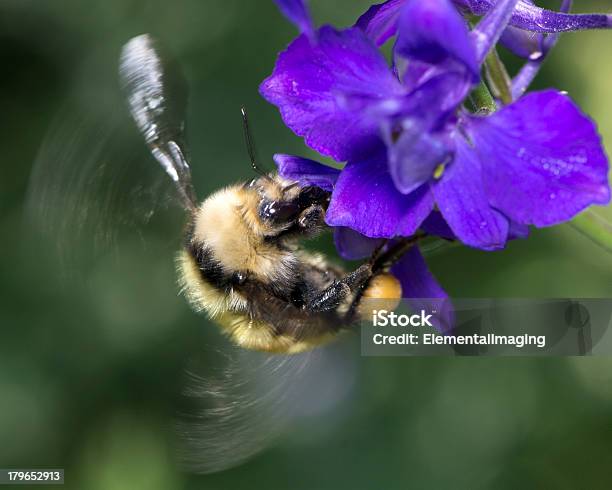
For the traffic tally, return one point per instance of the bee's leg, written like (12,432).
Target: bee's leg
(381,261)
(311,218)
(332,296)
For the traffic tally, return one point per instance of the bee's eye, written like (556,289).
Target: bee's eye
(313,195)
(239,277)
(279,211)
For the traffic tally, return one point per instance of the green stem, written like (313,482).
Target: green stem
(435,246)
(498,77)
(395,252)
(482,99)
(594,227)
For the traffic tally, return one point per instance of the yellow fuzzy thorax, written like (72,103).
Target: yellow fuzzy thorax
(227,223)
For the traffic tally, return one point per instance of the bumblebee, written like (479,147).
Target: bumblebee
(242,261)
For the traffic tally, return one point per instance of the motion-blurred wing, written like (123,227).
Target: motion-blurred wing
(91,188)
(157,98)
(251,398)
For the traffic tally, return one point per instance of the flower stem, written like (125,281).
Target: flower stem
(436,246)
(594,227)
(395,251)
(498,77)
(482,99)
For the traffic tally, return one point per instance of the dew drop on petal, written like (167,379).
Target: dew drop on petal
(536,55)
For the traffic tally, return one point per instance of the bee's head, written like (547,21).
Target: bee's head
(240,224)
(285,205)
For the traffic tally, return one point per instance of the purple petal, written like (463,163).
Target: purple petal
(352,245)
(432,31)
(525,44)
(436,225)
(490,28)
(311,81)
(422,291)
(306,172)
(437,94)
(296,12)
(550,40)
(366,200)
(414,156)
(461,199)
(533,18)
(517,231)
(543,161)
(523,79)
(379,22)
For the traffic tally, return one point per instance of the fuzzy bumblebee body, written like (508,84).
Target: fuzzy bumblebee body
(242,262)
(236,318)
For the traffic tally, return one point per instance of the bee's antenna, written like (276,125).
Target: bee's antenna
(250,144)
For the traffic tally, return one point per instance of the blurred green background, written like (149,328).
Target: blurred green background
(94,337)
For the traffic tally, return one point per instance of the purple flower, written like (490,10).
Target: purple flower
(411,145)
(417,158)
(380,21)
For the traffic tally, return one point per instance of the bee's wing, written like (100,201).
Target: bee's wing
(91,187)
(91,180)
(250,399)
(157,98)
